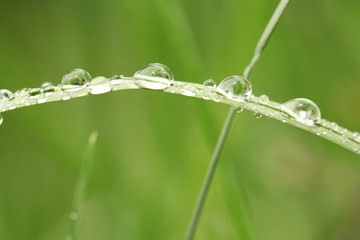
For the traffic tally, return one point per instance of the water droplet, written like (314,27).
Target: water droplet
(284,120)
(116,80)
(1,119)
(73,216)
(210,83)
(188,90)
(5,94)
(257,115)
(334,126)
(235,88)
(75,80)
(34,93)
(99,85)
(239,109)
(303,110)
(48,88)
(154,76)
(264,99)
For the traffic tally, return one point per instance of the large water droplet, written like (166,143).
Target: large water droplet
(75,80)
(235,88)
(210,83)
(303,110)
(154,76)
(99,85)
(5,94)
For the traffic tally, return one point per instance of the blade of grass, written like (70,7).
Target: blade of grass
(81,184)
(230,117)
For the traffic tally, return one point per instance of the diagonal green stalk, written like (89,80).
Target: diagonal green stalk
(81,184)
(229,120)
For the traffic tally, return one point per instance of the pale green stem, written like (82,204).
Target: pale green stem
(81,184)
(228,123)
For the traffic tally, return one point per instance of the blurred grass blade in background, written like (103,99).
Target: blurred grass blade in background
(228,123)
(81,184)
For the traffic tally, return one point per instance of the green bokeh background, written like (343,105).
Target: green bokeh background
(275,182)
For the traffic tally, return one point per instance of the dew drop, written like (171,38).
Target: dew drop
(235,88)
(34,93)
(257,115)
(239,109)
(48,88)
(1,119)
(75,80)
(303,110)
(264,99)
(116,80)
(284,120)
(99,85)
(334,126)
(210,83)
(154,76)
(5,94)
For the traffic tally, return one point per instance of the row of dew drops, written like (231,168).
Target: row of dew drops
(157,76)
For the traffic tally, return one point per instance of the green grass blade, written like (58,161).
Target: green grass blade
(209,176)
(81,185)
(227,125)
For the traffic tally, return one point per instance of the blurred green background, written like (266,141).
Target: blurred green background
(275,182)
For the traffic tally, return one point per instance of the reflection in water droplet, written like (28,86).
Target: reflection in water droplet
(75,80)
(48,88)
(303,110)
(154,76)
(235,88)
(5,94)
(99,85)
(264,99)
(210,83)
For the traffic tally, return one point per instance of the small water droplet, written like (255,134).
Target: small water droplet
(34,93)
(357,149)
(235,88)
(75,80)
(5,94)
(154,76)
(48,88)
(73,216)
(210,83)
(116,80)
(284,120)
(239,109)
(257,115)
(188,90)
(264,99)
(334,126)
(1,119)
(303,110)
(99,85)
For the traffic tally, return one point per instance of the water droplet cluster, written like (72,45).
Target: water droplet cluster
(157,76)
